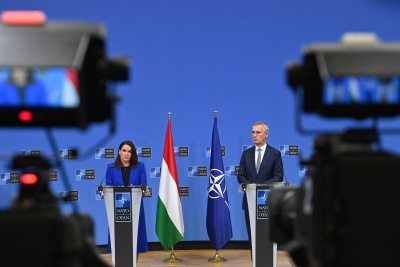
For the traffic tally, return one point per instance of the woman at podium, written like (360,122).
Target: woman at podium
(127,170)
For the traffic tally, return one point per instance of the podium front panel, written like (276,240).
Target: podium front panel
(123,208)
(263,249)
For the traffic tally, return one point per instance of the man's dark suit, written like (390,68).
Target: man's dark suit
(271,168)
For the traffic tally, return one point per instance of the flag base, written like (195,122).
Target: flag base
(217,258)
(172,258)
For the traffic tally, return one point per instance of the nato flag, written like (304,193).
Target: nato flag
(219,226)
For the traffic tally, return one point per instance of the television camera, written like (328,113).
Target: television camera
(52,74)
(55,74)
(345,211)
(36,233)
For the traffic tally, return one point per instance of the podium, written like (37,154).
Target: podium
(263,249)
(123,207)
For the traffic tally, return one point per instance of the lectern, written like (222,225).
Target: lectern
(263,249)
(123,207)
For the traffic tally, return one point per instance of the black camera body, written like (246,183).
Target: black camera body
(69,74)
(345,212)
(36,233)
(48,238)
(356,78)
(52,74)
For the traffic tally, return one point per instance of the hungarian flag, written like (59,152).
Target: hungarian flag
(219,226)
(169,220)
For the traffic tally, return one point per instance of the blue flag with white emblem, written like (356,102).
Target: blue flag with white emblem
(219,226)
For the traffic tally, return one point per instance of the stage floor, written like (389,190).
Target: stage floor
(199,258)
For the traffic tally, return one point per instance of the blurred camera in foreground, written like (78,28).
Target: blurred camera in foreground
(36,233)
(345,211)
(52,75)
(356,78)
(56,74)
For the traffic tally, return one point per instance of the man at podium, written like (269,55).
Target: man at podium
(127,170)
(259,164)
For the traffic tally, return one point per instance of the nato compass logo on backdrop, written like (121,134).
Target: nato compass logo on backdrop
(289,150)
(10,178)
(30,152)
(262,204)
(67,154)
(231,170)
(194,171)
(155,172)
(104,153)
(303,169)
(217,187)
(144,152)
(4,178)
(83,174)
(122,207)
(208,151)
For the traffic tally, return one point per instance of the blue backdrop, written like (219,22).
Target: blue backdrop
(191,57)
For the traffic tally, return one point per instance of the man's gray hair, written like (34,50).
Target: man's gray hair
(265,126)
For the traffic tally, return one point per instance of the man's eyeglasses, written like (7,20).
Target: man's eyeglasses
(256,132)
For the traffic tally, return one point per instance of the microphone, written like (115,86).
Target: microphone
(100,186)
(145,190)
(286,181)
(244,186)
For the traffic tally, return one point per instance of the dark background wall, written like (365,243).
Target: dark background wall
(191,57)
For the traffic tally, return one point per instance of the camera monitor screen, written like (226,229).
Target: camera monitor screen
(51,76)
(38,87)
(361,96)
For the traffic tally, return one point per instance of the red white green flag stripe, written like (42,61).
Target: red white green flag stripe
(169,220)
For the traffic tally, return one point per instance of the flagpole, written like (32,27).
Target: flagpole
(172,257)
(217,258)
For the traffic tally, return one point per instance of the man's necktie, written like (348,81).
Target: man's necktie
(258,162)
